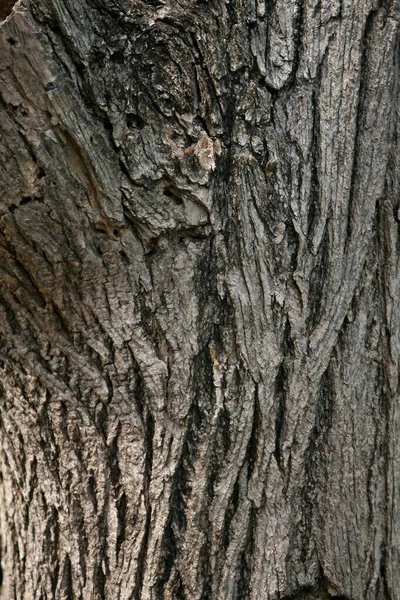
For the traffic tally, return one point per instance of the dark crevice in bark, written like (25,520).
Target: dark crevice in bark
(224,431)
(169,553)
(100,582)
(204,570)
(223,179)
(314,470)
(280,395)
(113,462)
(387,397)
(139,391)
(53,536)
(63,417)
(205,110)
(269,9)
(92,491)
(359,127)
(298,35)
(230,512)
(313,592)
(121,517)
(134,121)
(118,494)
(323,421)
(176,523)
(174,193)
(307,592)
(142,557)
(198,422)
(382,583)
(47,441)
(247,558)
(210,309)
(201,407)
(251,452)
(315,201)
(218,449)
(83,542)
(317,283)
(67,582)
(149,435)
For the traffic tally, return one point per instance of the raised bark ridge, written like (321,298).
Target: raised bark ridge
(199,300)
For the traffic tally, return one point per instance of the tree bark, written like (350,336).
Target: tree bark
(199,297)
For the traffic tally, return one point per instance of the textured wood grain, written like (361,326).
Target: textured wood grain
(199,296)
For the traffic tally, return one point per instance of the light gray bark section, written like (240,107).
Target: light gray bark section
(199,296)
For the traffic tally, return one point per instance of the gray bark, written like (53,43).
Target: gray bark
(199,297)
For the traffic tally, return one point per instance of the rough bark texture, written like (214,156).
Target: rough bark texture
(199,298)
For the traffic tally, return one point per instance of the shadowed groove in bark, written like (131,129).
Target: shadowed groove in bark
(231,510)
(121,512)
(100,582)
(1,568)
(256,430)
(326,395)
(280,413)
(315,192)
(149,435)
(175,527)
(52,540)
(360,115)
(317,284)
(169,554)
(384,388)
(67,582)
(247,558)
(298,36)
(314,476)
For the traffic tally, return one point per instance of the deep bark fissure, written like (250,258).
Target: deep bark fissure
(149,435)
(363,86)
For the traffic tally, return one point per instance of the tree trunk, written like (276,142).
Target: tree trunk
(199,296)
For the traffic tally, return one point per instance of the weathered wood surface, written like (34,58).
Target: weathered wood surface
(199,296)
